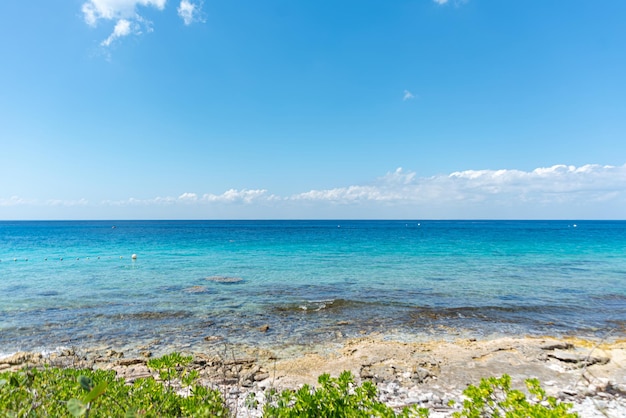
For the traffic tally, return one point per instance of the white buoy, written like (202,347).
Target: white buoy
(134,256)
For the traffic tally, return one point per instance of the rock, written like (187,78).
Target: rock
(130,361)
(557,345)
(224,279)
(264,328)
(21,357)
(580,359)
(420,375)
(261,376)
(146,353)
(196,289)
(366,373)
(212,338)
(114,354)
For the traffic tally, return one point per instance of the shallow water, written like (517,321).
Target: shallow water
(75,283)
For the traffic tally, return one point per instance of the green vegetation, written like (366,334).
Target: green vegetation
(494,397)
(97,393)
(336,397)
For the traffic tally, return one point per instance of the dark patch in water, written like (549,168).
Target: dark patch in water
(610,297)
(15,288)
(48,293)
(152,316)
(493,314)
(225,279)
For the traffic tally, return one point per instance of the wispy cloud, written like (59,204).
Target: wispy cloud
(127,17)
(407,95)
(552,192)
(190,11)
(440,1)
(122,28)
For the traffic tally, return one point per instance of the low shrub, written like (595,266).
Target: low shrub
(335,397)
(97,393)
(493,397)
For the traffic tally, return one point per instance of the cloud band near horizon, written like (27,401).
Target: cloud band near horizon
(557,186)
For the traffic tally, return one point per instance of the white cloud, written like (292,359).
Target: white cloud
(95,10)
(559,191)
(241,196)
(123,12)
(68,203)
(407,95)
(122,28)
(440,1)
(188,196)
(556,184)
(190,11)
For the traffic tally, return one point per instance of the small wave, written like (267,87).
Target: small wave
(311,306)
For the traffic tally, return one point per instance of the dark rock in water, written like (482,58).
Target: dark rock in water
(158,315)
(264,328)
(224,279)
(212,338)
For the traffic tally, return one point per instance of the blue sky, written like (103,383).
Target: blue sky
(152,109)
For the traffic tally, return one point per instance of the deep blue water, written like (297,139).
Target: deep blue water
(75,283)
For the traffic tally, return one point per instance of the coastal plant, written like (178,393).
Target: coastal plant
(173,366)
(494,398)
(335,397)
(89,393)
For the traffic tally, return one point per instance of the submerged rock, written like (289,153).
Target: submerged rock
(196,289)
(224,279)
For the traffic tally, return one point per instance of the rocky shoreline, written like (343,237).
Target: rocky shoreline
(590,375)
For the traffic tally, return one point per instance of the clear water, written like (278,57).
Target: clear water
(75,283)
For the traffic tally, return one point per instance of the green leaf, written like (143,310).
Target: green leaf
(76,407)
(95,392)
(85,382)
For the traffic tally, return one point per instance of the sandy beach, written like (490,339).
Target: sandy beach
(591,375)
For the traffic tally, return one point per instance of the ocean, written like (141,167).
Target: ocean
(280,284)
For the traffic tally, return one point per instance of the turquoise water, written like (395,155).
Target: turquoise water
(75,283)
